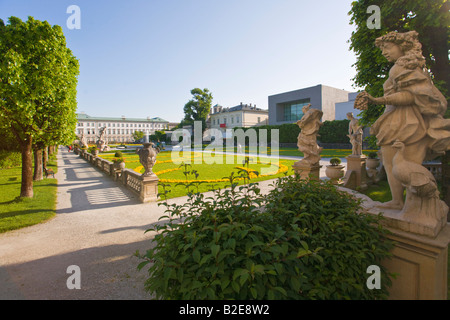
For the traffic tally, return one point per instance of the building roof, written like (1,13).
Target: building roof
(241,107)
(84,116)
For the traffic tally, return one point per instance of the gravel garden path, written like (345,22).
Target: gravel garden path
(99,225)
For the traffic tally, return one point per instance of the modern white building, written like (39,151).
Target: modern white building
(287,107)
(118,130)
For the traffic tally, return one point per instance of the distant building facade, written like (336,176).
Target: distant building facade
(242,115)
(287,107)
(118,130)
(342,108)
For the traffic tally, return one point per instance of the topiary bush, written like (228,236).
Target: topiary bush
(118,154)
(302,241)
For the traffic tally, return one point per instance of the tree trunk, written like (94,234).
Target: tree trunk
(45,157)
(38,167)
(26,190)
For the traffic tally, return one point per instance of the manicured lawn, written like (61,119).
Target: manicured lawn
(18,213)
(180,179)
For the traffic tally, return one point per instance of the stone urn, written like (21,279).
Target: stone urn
(119,165)
(372,163)
(335,173)
(147,157)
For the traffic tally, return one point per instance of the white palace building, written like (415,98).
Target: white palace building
(118,130)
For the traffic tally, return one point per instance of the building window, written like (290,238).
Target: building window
(293,110)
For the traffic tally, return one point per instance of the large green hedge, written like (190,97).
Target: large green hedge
(302,241)
(331,132)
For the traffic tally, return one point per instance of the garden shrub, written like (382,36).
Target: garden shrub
(118,154)
(302,241)
(334,132)
(349,240)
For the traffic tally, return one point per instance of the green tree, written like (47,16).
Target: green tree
(137,135)
(38,79)
(430,18)
(198,108)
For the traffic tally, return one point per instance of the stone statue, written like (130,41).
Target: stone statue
(83,140)
(147,157)
(355,133)
(101,142)
(307,139)
(411,130)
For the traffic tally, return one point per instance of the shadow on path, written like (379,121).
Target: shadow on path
(89,188)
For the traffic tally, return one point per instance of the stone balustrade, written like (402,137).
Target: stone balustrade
(146,188)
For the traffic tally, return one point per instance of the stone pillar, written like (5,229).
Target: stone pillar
(149,189)
(420,264)
(419,258)
(356,176)
(307,172)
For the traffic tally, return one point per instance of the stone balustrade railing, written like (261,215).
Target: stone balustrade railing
(146,188)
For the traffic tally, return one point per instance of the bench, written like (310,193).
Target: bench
(49,172)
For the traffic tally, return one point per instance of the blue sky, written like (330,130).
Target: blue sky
(141,58)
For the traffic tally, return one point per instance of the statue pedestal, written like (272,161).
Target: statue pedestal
(420,264)
(419,261)
(306,171)
(356,176)
(149,188)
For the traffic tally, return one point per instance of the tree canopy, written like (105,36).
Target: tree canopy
(430,18)
(198,108)
(38,79)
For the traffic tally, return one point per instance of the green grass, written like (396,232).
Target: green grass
(379,192)
(16,213)
(175,181)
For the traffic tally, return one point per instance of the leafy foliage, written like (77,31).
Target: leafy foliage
(334,132)
(138,135)
(331,132)
(198,108)
(38,79)
(302,241)
(429,18)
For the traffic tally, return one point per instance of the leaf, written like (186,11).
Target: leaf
(215,249)
(239,272)
(253,292)
(196,255)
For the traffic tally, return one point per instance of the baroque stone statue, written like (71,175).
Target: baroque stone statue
(101,142)
(83,140)
(309,124)
(412,129)
(355,133)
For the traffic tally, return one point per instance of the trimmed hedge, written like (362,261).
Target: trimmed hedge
(331,132)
